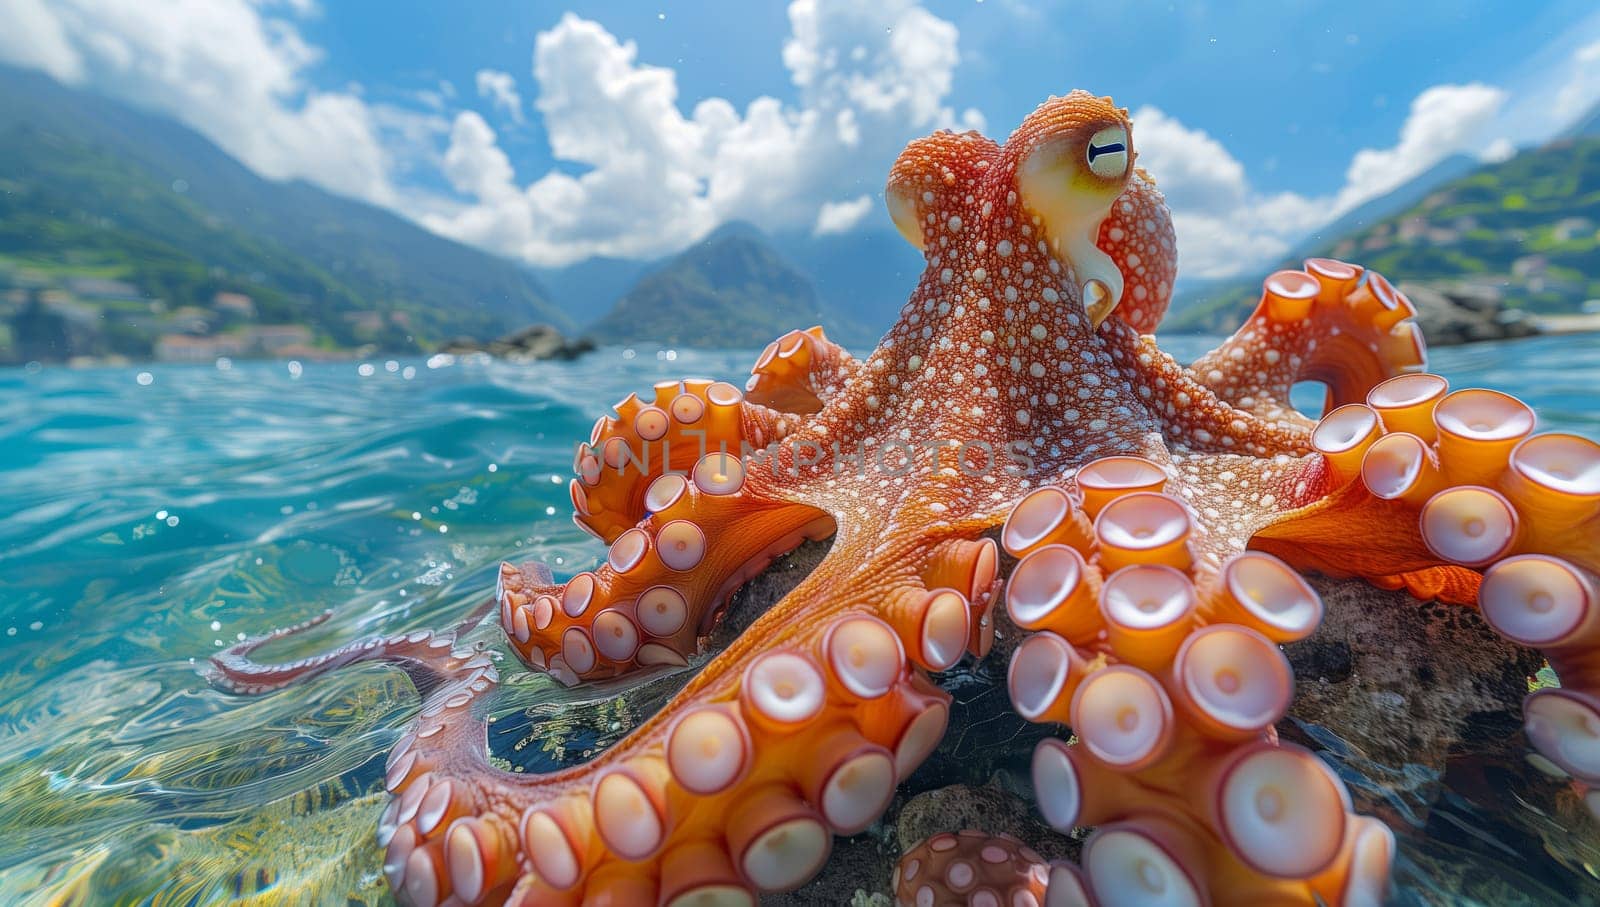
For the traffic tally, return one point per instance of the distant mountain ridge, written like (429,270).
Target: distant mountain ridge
(1527,227)
(90,185)
(1199,304)
(731,289)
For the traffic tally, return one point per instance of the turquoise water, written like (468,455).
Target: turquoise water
(155,514)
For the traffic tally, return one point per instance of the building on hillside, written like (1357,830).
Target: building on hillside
(366,322)
(101,289)
(187,348)
(273,339)
(237,305)
(1570,228)
(1529,266)
(192,319)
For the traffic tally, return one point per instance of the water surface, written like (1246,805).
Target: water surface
(157,513)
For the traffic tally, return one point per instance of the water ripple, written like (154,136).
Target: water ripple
(151,525)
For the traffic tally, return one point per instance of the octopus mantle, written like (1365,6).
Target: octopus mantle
(1160,515)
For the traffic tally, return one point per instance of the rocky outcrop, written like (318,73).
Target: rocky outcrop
(1457,313)
(540,341)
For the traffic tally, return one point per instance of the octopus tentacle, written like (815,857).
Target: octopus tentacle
(971,868)
(697,803)
(442,839)
(1477,488)
(663,582)
(1192,416)
(1477,491)
(800,372)
(1164,661)
(1331,322)
(425,655)
(684,422)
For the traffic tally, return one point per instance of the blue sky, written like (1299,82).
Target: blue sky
(550,133)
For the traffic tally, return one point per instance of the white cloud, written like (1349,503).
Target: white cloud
(226,68)
(1192,168)
(842,217)
(869,77)
(1225,226)
(1581,91)
(648,177)
(34,38)
(1444,120)
(1501,149)
(501,89)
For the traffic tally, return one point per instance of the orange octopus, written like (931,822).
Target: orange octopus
(1159,515)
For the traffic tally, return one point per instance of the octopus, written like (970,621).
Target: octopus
(1017,441)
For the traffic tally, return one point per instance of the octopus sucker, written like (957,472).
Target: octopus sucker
(1156,521)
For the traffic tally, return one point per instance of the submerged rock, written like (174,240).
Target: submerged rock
(533,343)
(1372,675)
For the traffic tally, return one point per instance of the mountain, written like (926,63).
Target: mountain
(1394,201)
(586,290)
(1207,305)
(1586,126)
(731,289)
(860,280)
(93,190)
(867,272)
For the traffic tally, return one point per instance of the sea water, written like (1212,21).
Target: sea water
(154,514)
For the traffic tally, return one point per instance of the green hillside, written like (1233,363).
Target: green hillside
(729,290)
(118,228)
(1529,226)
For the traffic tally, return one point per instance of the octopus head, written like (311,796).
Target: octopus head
(1073,158)
(929,178)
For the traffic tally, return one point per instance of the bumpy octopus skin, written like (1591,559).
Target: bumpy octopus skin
(1160,515)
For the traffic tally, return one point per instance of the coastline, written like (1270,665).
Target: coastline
(1583,323)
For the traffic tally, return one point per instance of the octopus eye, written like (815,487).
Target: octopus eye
(1108,152)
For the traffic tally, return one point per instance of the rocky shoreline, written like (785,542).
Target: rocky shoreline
(531,344)
(1452,314)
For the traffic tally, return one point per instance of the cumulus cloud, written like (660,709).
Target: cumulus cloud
(868,77)
(643,176)
(1226,226)
(842,217)
(34,37)
(1581,91)
(1444,120)
(1501,149)
(227,68)
(501,90)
